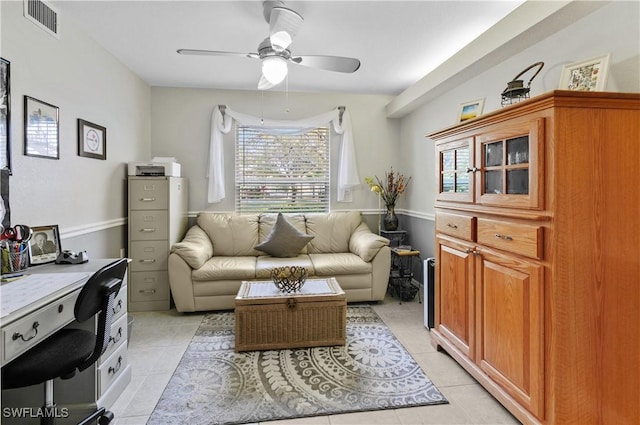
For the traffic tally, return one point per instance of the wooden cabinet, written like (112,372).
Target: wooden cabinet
(537,220)
(157,220)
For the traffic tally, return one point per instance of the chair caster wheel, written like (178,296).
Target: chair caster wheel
(106,418)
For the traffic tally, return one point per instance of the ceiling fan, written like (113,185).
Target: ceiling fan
(274,51)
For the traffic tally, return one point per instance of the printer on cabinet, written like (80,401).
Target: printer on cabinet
(156,167)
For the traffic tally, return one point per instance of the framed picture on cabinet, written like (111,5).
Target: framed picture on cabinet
(41,129)
(470,110)
(44,245)
(589,75)
(92,140)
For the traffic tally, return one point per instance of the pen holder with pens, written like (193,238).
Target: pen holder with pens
(15,258)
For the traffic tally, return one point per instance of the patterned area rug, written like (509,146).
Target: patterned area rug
(215,385)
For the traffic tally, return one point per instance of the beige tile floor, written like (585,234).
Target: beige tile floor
(158,340)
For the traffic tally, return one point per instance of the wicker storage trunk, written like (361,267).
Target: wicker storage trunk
(269,320)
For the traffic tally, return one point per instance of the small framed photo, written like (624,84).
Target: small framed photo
(44,245)
(470,110)
(589,75)
(41,129)
(92,140)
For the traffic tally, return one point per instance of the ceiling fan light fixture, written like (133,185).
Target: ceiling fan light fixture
(274,69)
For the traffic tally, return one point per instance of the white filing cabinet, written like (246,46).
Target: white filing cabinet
(157,220)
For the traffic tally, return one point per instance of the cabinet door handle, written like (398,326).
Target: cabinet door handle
(147,291)
(472,170)
(453,226)
(19,335)
(117,308)
(116,338)
(471,251)
(114,370)
(147,199)
(147,230)
(152,260)
(504,237)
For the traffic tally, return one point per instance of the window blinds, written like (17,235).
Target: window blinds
(282,172)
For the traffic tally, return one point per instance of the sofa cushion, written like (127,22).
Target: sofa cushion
(331,231)
(284,240)
(231,234)
(339,264)
(221,268)
(195,248)
(266,263)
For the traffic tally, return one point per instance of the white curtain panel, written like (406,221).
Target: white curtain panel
(222,124)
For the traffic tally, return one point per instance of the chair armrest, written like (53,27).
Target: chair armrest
(195,249)
(365,243)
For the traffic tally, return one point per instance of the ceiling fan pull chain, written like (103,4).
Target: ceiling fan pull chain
(262,107)
(286,91)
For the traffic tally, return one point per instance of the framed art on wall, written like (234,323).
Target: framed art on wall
(41,129)
(470,110)
(44,245)
(5,115)
(92,140)
(589,75)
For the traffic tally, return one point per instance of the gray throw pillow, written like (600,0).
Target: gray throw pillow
(284,240)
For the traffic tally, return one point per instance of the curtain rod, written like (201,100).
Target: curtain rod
(341,110)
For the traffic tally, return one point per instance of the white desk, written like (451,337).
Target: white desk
(42,303)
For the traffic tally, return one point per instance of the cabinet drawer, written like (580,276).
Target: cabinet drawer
(149,256)
(119,304)
(148,194)
(517,238)
(456,225)
(149,286)
(117,336)
(111,368)
(32,329)
(148,225)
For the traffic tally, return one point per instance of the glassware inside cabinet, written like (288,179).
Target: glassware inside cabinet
(506,166)
(493,182)
(493,154)
(518,150)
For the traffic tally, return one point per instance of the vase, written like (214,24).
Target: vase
(391,219)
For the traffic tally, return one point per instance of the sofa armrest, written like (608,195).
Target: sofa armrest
(365,243)
(181,284)
(195,249)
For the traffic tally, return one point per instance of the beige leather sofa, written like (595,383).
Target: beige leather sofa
(207,267)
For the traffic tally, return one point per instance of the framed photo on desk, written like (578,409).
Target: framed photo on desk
(44,246)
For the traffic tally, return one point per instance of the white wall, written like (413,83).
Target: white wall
(79,194)
(614,28)
(181,123)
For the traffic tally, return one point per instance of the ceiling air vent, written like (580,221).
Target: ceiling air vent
(43,15)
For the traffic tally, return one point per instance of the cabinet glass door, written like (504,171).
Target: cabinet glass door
(508,166)
(455,171)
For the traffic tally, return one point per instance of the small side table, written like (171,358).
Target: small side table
(396,237)
(401,283)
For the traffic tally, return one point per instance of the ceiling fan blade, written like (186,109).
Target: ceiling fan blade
(216,53)
(330,63)
(284,24)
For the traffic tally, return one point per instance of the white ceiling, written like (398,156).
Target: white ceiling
(398,42)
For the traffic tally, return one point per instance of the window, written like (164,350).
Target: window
(282,172)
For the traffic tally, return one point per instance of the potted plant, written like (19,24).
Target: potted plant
(388,190)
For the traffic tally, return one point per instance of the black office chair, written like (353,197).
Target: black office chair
(71,350)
